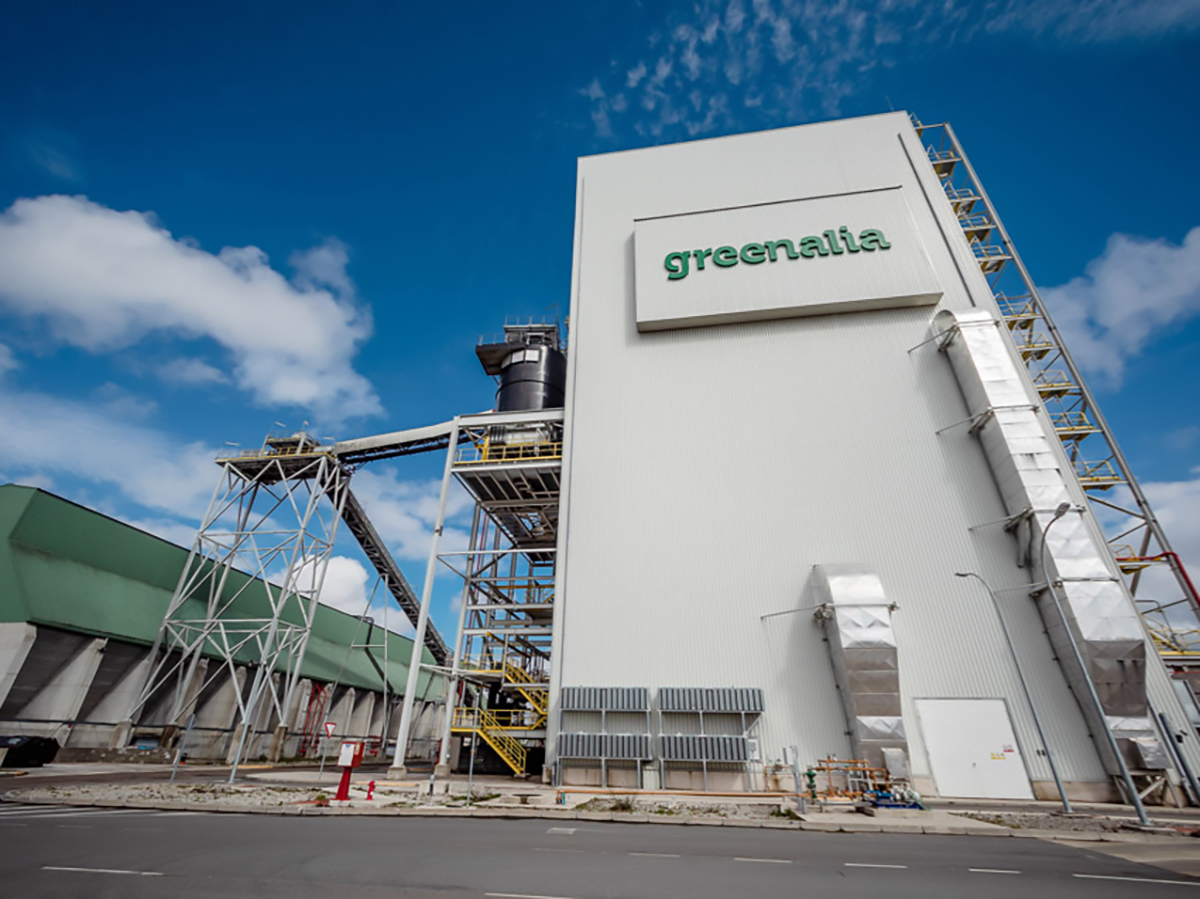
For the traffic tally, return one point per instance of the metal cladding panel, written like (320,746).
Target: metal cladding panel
(720,699)
(694,748)
(628,747)
(708,469)
(605,699)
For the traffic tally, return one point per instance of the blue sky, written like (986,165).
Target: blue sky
(224,216)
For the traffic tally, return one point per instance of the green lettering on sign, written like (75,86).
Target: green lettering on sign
(832,242)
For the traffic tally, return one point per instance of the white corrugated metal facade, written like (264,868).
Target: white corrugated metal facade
(709,469)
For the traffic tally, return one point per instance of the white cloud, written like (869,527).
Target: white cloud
(1183,438)
(404,512)
(191,371)
(44,437)
(345,585)
(103,280)
(345,588)
(8,361)
(787,60)
(52,159)
(120,403)
(1087,21)
(1176,504)
(1128,296)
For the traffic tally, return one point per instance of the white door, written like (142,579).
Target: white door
(972,751)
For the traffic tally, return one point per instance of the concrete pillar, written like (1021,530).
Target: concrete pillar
(294,712)
(61,698)
(234,743)
(360,721)
(116,704)
(343,712)
(278,741)
(217,714)
(220,710)
(16,639)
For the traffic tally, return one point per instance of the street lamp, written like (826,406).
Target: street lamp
(1037,719)
(1134,799)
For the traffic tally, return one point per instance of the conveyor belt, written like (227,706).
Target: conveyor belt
(364,532)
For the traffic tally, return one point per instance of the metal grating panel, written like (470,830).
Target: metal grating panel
(731,700)
(631,747)
(697,748)
(605,699)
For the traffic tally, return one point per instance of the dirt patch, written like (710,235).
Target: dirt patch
(638,806)
(1054,822)
(234,796)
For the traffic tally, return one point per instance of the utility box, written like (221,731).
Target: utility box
(351,754)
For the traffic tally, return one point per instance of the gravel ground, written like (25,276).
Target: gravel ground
(634,805)
(1055,822)
(224,795)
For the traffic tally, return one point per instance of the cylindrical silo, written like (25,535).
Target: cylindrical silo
(532,377)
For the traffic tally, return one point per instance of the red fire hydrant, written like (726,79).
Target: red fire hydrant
(370,791)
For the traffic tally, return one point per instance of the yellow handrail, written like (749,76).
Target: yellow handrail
(486,724)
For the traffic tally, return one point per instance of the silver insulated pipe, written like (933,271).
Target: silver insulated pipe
(1104,655)
(857,618)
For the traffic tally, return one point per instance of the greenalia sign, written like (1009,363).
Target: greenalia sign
(830,243)
(885,261)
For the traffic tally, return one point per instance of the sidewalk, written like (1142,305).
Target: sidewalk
(306,792)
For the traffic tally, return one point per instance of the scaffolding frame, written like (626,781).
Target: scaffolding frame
(268,529)
(1139,541)
(510,464)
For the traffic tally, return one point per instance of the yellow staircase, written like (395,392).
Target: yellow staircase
(488,725)
(535,692)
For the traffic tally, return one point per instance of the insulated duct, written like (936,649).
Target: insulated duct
(1094,600)
(858,624)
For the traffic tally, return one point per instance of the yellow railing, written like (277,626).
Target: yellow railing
(477,454)
(491,727)
(1097,474)
(1052,380)
(535,693)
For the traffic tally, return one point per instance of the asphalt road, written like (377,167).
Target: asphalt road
(65,852)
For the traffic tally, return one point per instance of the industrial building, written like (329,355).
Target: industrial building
(82,599)
(813,476)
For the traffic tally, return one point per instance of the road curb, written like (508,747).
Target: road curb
(554,814)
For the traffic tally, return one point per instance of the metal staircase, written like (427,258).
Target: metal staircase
(494,730)
(536,693)
(1138,541)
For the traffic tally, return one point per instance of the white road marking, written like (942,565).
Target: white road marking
(35,810)
(524,896)
(544,849)
(174,814)
(865,865)
(11,824)
(75,826)
(655,854)
(103,871)
(992,871)
(1181,883)
(770,861)
(566,830)
(98,813)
